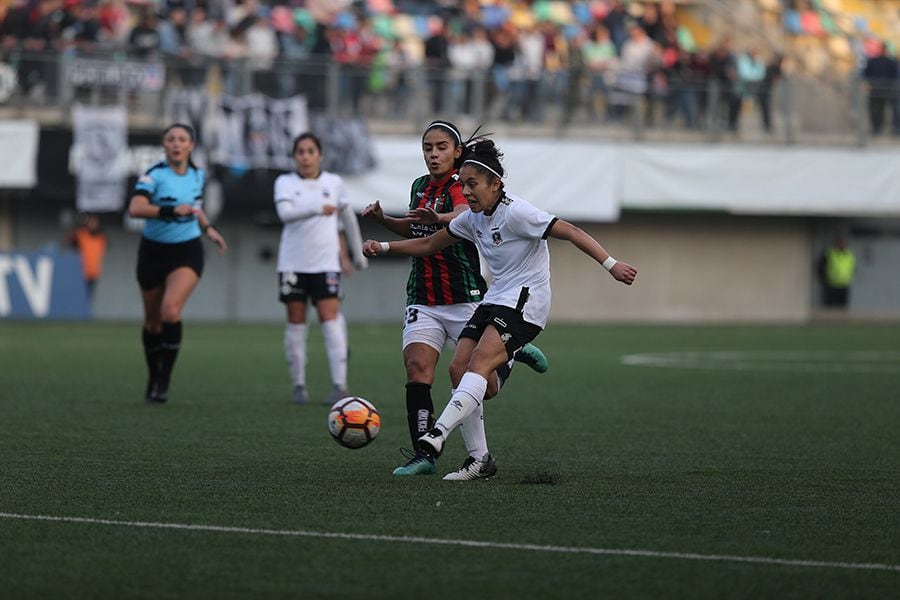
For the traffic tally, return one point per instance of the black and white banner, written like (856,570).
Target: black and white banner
(242,132)
(257,132)
(98,158)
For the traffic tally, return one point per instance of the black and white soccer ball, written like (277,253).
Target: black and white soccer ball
(353,422)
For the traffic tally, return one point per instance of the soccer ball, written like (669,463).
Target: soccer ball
(353,422)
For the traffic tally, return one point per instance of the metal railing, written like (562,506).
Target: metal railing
(568,103)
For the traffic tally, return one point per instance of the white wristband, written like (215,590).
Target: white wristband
(385,247)
(609,263)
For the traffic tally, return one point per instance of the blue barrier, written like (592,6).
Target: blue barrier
(41,285)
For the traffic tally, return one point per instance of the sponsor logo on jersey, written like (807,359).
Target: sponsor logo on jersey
(145,179)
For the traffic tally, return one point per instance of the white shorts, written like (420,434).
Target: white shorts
(435,325)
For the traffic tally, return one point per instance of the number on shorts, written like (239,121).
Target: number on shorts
(412,315)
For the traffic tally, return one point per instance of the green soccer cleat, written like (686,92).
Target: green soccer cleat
(419,464)
(531,355)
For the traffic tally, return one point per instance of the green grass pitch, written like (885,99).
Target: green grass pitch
(787,449)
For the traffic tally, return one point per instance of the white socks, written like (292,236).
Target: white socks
(465,401)
(472,430)
(335,333)
(295,351)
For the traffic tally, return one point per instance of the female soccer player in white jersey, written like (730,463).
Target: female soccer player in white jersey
(443,290)
(511,234)
(311,258)
(170,257)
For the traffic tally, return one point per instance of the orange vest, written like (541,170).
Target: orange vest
(92,248)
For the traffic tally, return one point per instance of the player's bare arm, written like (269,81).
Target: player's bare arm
(425,246)
(427,216)
(376,213)
(621,271)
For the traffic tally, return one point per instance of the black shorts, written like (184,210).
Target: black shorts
(514,330)
(299,287)
(157,260)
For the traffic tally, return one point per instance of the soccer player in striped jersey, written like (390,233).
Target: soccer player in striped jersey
(511,234)
(443,290)
(312,255)
(170,256)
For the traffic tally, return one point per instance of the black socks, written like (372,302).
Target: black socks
(419,410)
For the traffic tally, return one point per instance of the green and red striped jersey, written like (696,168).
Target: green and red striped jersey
(452,275)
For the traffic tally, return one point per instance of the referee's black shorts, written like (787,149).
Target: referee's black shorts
(157,260)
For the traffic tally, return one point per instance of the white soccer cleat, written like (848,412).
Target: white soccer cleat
(474,469)
(431,443)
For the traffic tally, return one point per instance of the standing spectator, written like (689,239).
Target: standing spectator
(531,49)
(881,75)
(504,42)
(836,268)
(639,58)
(143,41)
(767,88)
(312,204)
(601,61)
(615,22)
(170,256)
(90,241)
(723,71)
(751,72)
(437,61)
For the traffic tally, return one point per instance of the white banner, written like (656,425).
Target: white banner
(769,180)
(18,154)
(572,180)
(99,157)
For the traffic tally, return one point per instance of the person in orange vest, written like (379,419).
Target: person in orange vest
(90,240)
(836,269)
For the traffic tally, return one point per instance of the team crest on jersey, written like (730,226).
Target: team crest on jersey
(496,239)
(326,193)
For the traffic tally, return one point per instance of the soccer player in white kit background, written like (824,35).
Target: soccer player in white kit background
(313,205)
(511,235)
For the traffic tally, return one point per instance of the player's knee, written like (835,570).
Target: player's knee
(419,370)
(171,313)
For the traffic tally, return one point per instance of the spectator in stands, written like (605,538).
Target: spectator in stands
(504,42)
(767,87)
(881,75)
(751,72)
(574,85)
(437,61)
(470,57)
(651,23)
(600,59)
(143,41)
(639,57)
(723,71)
(615,22)
(527,89)
(206,36)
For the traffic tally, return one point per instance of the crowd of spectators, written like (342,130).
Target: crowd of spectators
(604,59)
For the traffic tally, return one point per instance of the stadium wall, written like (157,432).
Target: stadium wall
(699,267)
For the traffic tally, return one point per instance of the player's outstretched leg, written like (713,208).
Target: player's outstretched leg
(474,469)
(418,463)
(531,355)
